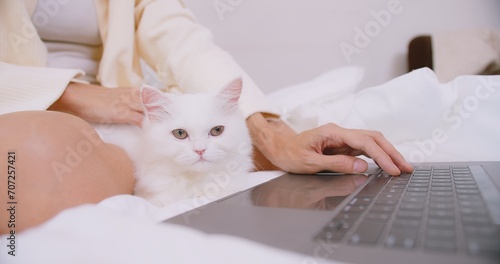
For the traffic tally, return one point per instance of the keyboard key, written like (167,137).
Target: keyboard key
(360,200)
(465,182)
(435,213)
(421,200)
(422,177)
(403,176)
(445,177)
(396,185)
(482,231)
(409,214)
(465,186)
(412,206)
(477,211)
(442,199)
(439,168)
(423,168)
(445,234)
(393,190)
(459,167)
(354,208)
(470,197)
(416,194)
(422,172)
(377,216)
(472,220)
(331,236)
(351,217)
(457,172)
(418,185)
(446,189)
(441,193)
(467,191)
(404,238)
(441,184)
(440,223)
(386,201)
(438,174)
(420,181)
(406,223)
(382,208)
(367,232)
(442,206)
(394,196)
(441,180)
(334,230)
(467,203)
(462,177)
(412,189)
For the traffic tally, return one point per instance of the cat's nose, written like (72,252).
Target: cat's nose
(199,151)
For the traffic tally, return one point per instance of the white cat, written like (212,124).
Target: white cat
(190,145)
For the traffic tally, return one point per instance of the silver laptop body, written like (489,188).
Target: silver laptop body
(440,213)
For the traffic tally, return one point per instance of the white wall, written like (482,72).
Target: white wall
(283,42)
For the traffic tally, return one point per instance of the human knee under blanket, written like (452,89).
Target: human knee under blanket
(426,120)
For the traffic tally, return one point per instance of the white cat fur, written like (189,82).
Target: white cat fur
(169,169)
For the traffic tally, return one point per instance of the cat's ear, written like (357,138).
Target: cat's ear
(231,94)
(153,101)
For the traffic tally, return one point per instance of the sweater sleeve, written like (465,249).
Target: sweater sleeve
(178,48)
(25,88)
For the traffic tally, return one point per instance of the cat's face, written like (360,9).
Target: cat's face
(198,132)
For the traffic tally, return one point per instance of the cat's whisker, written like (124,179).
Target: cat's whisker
(186,159)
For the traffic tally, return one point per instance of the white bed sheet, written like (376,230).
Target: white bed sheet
(424,119)
(415,112)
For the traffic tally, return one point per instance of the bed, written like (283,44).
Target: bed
(427,120)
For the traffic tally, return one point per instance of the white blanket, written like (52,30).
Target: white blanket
(426,120)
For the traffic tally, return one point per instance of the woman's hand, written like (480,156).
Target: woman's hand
(98,104)
(328,147)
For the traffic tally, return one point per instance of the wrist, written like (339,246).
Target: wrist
(269,135)
(64,102)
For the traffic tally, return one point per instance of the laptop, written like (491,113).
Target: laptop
(439,213)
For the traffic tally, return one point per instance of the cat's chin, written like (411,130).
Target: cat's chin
(202,165)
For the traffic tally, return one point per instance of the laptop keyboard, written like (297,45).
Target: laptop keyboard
(434,208)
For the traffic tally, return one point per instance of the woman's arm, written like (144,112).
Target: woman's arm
(172,42)
(328,147)
(94,103)
(24,88)
(31,88)
(184,54)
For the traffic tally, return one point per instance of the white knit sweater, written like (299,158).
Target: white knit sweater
(163,33)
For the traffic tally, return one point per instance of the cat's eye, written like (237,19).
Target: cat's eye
(216,131)
(180,133)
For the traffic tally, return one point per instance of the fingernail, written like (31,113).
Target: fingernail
(394,170)
(359,166)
